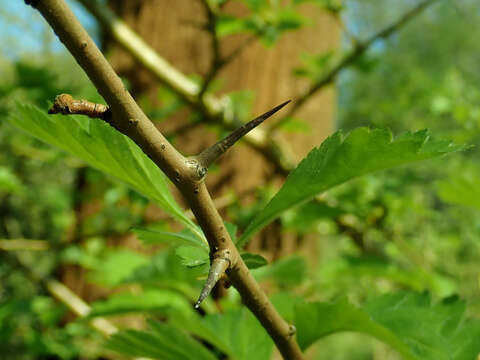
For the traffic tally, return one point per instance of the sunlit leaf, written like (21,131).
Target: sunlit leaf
(237,333)
(286,271)
(408,322)
(192,256)
(254,261)
(185,237)
(341,158)
(104,148)
(147,301)
(163,342)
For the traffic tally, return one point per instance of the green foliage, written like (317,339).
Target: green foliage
(184,237)
(162,342)
(340,159)
(152,300)
(236,333)
(412,229)
(104,148)
(253,261)
(462,190)
(408,322)
(267,21)
(287,271)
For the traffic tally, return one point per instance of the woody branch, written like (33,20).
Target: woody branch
(128,118)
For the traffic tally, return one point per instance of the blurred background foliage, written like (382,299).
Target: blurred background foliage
(412,228)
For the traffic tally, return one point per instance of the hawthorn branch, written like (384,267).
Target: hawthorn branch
(128,118)
(348,58)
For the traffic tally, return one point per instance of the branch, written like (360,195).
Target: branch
(129,119)
(350,57)
(211,107)
(79,307)
(23,244)
(218,61)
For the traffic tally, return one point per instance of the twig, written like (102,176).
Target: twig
(23,244)
(211,154)
(350,57)
(129,119)
(79,307)
(65,104)
(216,61)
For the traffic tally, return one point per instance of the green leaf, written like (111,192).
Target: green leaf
(286,271)
(408,322)
(147,301)
(106,149)
(185,237)
(192,256)
(163,342)
(9,182)
(117,266)
(253,261)
(340,159)
(461,189)
(237,333)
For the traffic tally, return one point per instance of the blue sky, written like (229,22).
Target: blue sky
(23,31)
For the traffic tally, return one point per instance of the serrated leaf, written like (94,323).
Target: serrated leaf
(340,159)
(237,333)
(163,342)
(192,256)
(253,261)
(147,301)
(408,322)
(104,148)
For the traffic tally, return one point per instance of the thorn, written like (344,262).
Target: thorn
(211,154)
(219,265)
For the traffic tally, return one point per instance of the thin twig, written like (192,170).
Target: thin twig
(79,307)
(218,62)
(65,104)
(349,58)
(23,244)
(215,62)
(129,119)
(211,154)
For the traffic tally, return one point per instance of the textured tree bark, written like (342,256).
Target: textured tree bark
(173,28)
